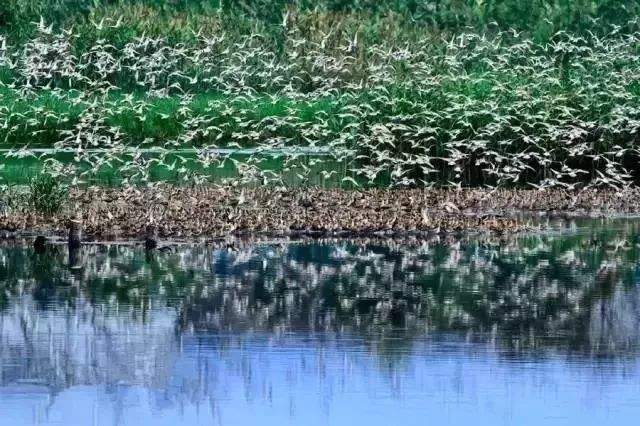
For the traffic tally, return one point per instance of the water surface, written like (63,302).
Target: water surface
(533,329)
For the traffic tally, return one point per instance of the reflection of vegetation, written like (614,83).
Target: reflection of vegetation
(530,290)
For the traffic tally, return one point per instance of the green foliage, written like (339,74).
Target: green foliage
(472,110)
(450,91)
(46,193)
(541,18)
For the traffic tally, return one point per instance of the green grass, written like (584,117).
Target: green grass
(179,170)
(41,117)
(46,193)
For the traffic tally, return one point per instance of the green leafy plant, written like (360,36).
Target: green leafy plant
(46,193)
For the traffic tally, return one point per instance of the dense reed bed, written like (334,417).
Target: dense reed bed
(176,19)
(394,96)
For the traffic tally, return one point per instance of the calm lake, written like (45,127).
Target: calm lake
(540,329)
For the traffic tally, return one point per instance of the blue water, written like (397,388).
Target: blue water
(516,331)
(338,380)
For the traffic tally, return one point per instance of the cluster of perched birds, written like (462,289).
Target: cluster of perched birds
(212,212)
(472,110)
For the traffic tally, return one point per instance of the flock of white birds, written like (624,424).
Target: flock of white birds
(470,110)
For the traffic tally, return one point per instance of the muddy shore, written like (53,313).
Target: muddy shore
(207,213)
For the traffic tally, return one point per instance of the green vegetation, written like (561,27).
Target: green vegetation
(411,92)
(176,19)
(46,193)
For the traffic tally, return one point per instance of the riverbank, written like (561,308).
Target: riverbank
(209,212)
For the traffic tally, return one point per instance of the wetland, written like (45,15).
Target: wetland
(325,213)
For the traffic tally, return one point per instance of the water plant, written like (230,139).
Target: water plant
(46,194)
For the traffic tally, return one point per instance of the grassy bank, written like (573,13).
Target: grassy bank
(469,94)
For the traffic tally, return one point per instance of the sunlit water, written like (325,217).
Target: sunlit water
(538,329)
